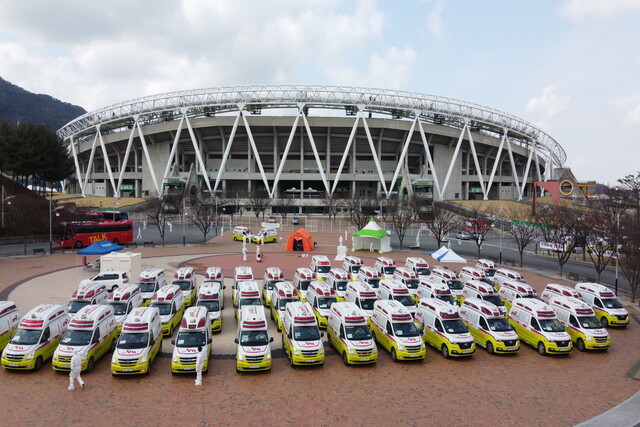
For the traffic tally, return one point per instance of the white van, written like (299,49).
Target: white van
(362,296)
(385,266)
(511,291)
(434,288)
(185,278)
(537,325)
(169,300)
(409,278)
(301,337)
(604,303)
(139,343)
(123,300)
(320,296)
(487,266)
(483,291)
(349,334)
(581,323)
(194,332)
(36,338)
(352,265)
(441,327)
(449,278)
(92,332)
(242,273)
(504,274)
(370,276)
(418,265)
(393,328)
(283,293)
(488,326)
(474,273)
(210,297)
(9,316)
(246,293)
(272,275)
(320,265)
(556,290)
(338,279)
(253,352)
(88,293)
(150,281)
(301,280)
(391,289)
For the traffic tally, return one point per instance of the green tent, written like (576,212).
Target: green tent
(372,237)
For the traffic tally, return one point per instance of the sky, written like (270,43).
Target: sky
(570,67)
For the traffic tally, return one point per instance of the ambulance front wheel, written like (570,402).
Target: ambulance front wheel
(580,345)
(38,364)
(344,358)
(90,364)
(604,321)
(489,347)
(541,348)
(445,351)
(394,356)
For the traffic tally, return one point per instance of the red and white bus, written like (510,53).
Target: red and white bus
(83,233)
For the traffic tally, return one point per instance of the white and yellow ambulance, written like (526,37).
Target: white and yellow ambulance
(149,281)
(301,280)
(185,278)
(194,333)
(488,326)
(169,300)
(301,337)
(441,328)
(123,300)
(282,294)
(581,323)
(392,327)
(604,303)
(363,296)
(272,275)
(9,317)
(349,333)
(254,350)
(537,325)
(210,297)
(320,296)
(139,343)
(484,291)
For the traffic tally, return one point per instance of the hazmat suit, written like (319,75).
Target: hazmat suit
(76,367)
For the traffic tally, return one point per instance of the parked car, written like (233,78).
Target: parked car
(463,235)
(295,220)
(272,219)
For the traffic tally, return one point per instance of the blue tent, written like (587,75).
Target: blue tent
(100,248)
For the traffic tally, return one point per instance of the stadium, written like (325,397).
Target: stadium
(308,143)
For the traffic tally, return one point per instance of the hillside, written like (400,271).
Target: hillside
(17,104)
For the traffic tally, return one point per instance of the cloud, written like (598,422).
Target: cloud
(632,118)
(434,19)
(579,10)
(549,103)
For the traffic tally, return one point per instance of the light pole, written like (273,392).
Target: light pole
(6,198)
(617,253)
(51,211)
(500,219)
(184,216)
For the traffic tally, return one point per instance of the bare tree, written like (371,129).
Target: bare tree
(332,205)
(477,224)
(629,253)
(559,230)
(155,213)
(259,202)
(204,215)
(523,228)
(284,204)
(403,213)
(360,210)
(444,221)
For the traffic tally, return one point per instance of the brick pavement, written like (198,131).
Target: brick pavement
(525,388)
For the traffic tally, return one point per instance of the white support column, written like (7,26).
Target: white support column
(525,175)
(495,164)
(107,164)
(352,136)
(425,143)
(315,151)
(198,154)
(91,157)
(292,134)
(255,153)
(375,156)
(126,159)
(77,163)
(148,158)
(228,149)
(453,160)
(514,171)
(476,163)
(405,148)
(174,147)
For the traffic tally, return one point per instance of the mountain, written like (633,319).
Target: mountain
(17,104)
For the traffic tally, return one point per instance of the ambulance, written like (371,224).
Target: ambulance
(352,264)
(484,291)
(185,278)
(392,327)
(139,343)
(511,291)
(283,293)
(36,338)
(194,332)
(320,265)
(537,325)
(488,326)
(362,296)
(349,334)
(320,296)
(254,351)
(246,293)
(474,273)
(214,275)
(556,290)
(418,265)
(410,279)
(449,278)
(504,274)
(487,266)
(385,267)
(9,316)
(240,233)
(369,275)
(272,275)
(581,323)
(92,332)
(242,273)
(391,289)
(88,293)
(149,282)
(123,300)
(604,303)
(301,337)
(442,328)
(266,235)
(338,280)
(435,289)
(169,300)
(301,280)
(210,297)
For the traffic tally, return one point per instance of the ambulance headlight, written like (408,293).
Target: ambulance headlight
(240,358)
(297,352)
(589,337)
(176,359)
(374,349)
(28,356)
(268,356)
(143,359)
(321,350)
(402,348)
(114,360)
(352,351)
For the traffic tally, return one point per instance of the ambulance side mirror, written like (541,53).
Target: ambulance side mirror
(321,334)
(209,341)
(224,286)
(271,339)
(173,342)
(236,340)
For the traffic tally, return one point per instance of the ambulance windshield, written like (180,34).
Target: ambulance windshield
(388,271)
(412,284)
(130,341)
(374,283)
(551,325)
(283,302)
(499,324)
(250,301)
(493,299)
(447,298)
(367,303)
(590,322)
(211,305)
(423,271)
(611,303)
(119,309)
(185,285)
(405,300)
(147,287)
(454,326)
(490,271)
(164,309)
(323,268)
(326,302)
(306,333)
(406,329)
(454,284)
(75,306)
(355,269)
(487,281)
(303,285)
(191,339)
(254,338)
(341,286)
(75,337)
(358,333)
(26,337)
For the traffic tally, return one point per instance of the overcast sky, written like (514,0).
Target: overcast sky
(571,67)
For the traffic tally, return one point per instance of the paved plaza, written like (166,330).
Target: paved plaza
(526,388)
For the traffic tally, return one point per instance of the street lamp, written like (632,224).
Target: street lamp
(184,214)
(4,198)
(51,211)
(617,253)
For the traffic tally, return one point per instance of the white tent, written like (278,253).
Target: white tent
(445,254)
(373,238)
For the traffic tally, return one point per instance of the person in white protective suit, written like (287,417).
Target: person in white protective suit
(76,367)
(199,365)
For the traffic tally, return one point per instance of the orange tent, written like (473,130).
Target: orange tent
(300,240)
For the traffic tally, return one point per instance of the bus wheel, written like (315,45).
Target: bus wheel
(78,244)
(116,241)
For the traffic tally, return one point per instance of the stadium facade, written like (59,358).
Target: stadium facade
(306,142)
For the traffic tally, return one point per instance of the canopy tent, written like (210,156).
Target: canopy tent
(102,247)
(372,237)
(300,240)
(445,254)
